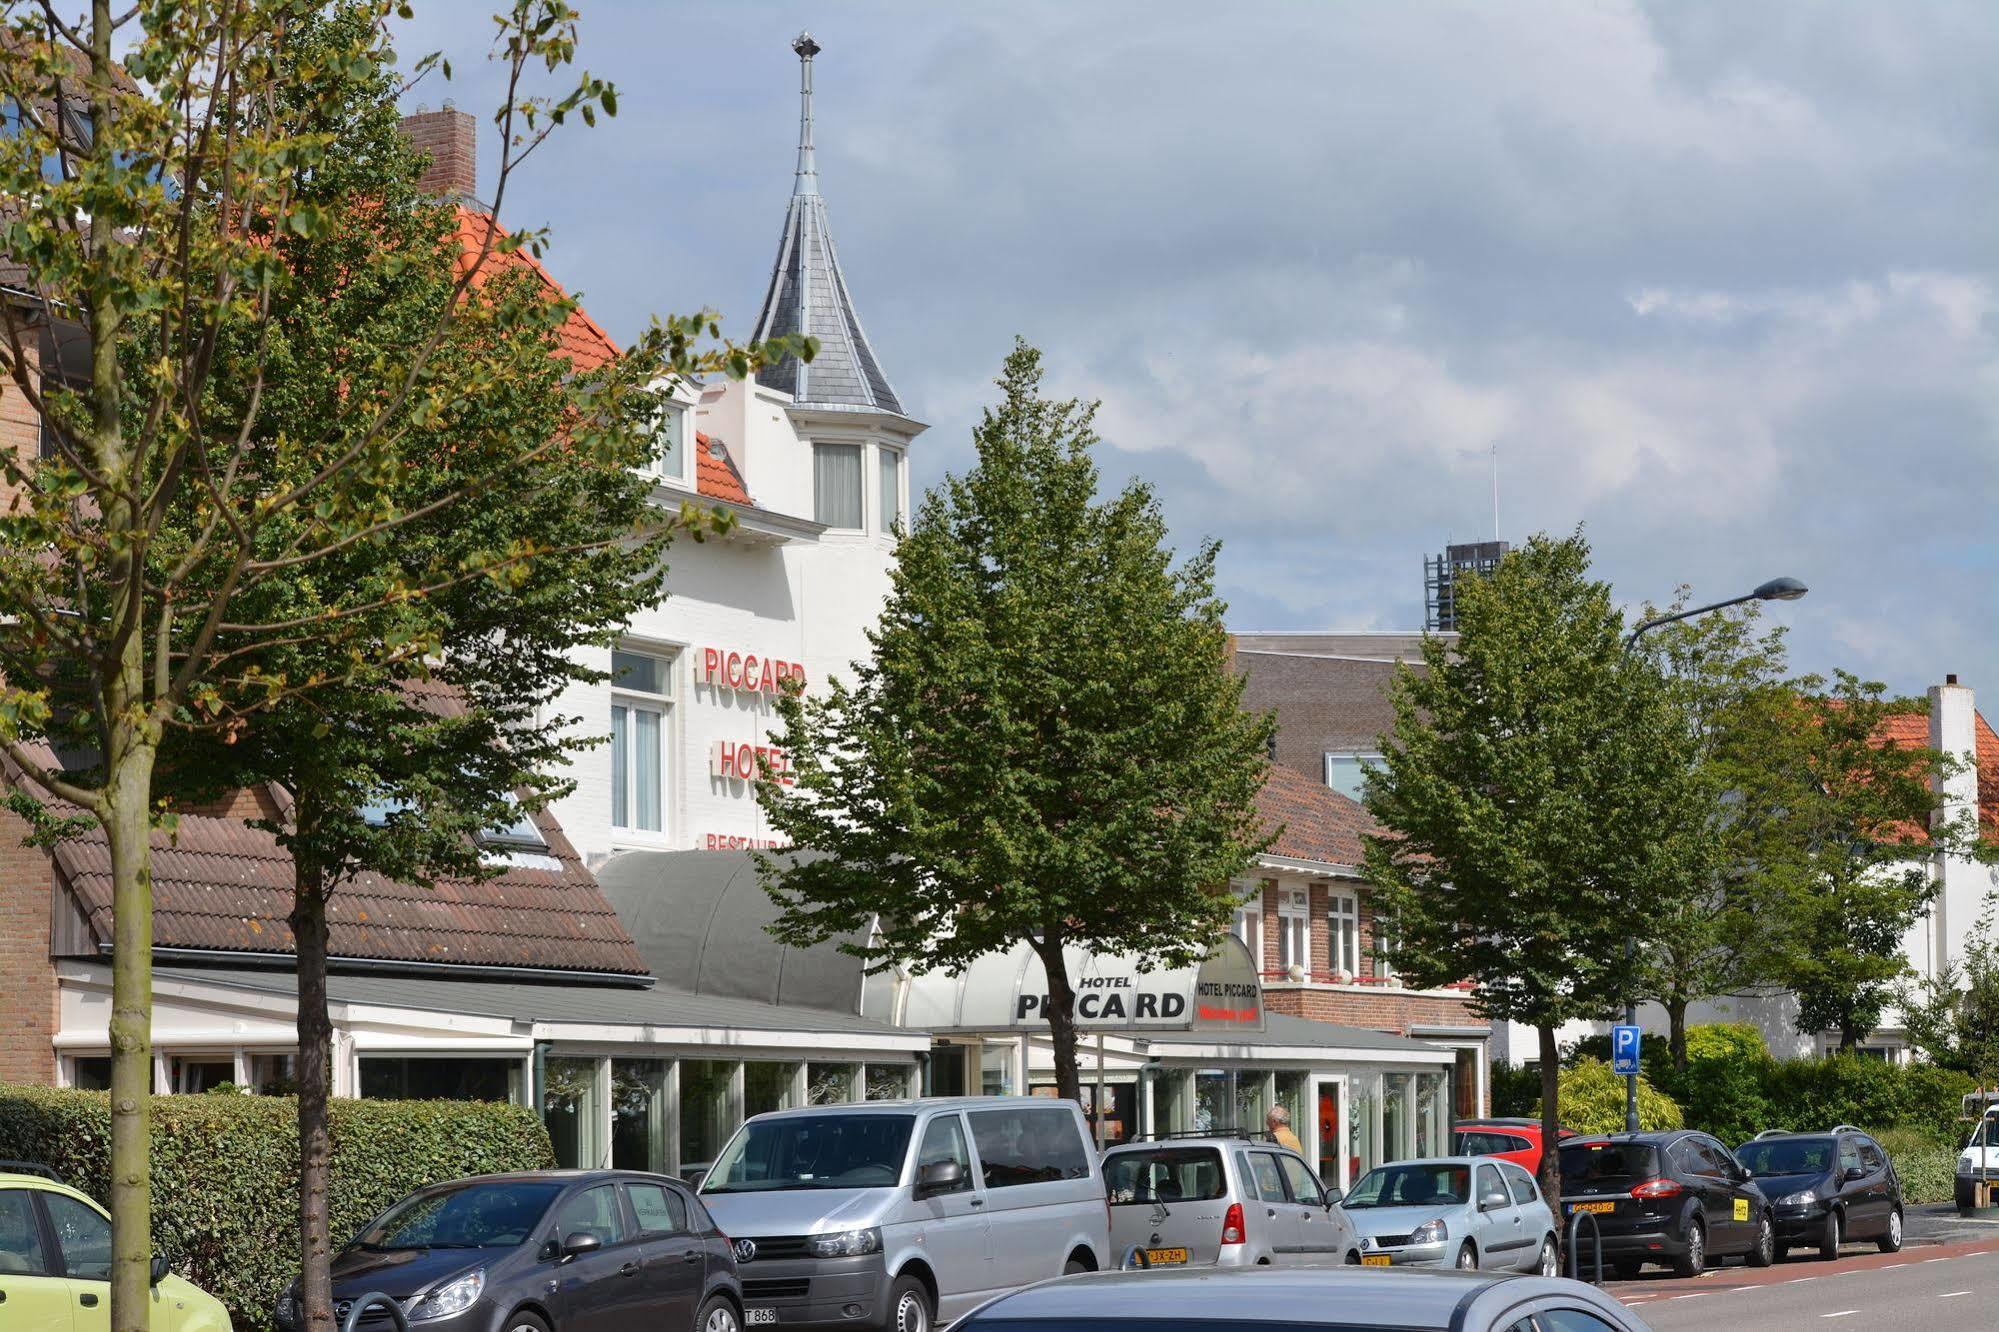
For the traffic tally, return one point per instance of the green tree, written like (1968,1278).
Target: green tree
(1850,849)
(1715,908)
(165,550)
(1523,791)
(1592,1101)
(1048,747)
(1952,1018)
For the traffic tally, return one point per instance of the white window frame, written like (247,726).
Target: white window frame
(1365,757)
(683,478)
(1248,922)
(1343,932)
(662,705)
(1294,930)
(885,521)
(1384,933)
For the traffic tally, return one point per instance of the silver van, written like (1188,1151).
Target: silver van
(1226,1200)
(905,1214)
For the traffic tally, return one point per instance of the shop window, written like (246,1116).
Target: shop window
(1429,1114)
(1212,1101)
(395,1078)
(996,1070)
(571,1110)
(1363,1151)
(836,485)
(889,468)
(641,703)
(1395,1115)
(1294,931)
(1343,934)
(1346,771)
(947,1070)
(1249,1104)
(829,1084)
(888,1082)
(768,1086)
(1290,1091)
(638,1114)
(1171,1103)
(191,1074)
(1464,1083)
(707,1112)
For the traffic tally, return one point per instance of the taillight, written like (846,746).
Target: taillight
(1658,1188)
(1232,1231)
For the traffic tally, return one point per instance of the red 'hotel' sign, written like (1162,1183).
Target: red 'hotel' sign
(746,672)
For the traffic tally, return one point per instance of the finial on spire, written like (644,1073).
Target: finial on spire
(806,181)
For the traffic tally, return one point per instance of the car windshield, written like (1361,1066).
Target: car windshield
(1164,1174)
(1586,1165)
(473,1215)
(1786,1156)
(1986,1134)
(1411,1186)
(848,1151)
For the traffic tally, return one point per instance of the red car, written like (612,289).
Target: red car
(1515,1140)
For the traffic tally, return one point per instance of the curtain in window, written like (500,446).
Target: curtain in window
(836,484)
(620,746)
(645,770)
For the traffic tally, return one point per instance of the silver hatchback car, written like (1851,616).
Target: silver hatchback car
(1470,1212)
(1222,1201)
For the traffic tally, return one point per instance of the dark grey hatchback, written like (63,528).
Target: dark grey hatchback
(544,1251)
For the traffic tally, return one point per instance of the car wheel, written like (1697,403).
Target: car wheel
(1353,1258)
(1467,1258)
(1829,1237)
(1550,1262)
(717,1315)
(525,1322)
(908,1306)
(1765,1251)
(1073,1266)
(1694,1261)
(1891,1238)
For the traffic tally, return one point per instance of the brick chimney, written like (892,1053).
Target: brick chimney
(451,137)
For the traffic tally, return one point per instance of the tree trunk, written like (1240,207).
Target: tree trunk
(1061,1018)
(128,825)
(1849,1038)
(1550,1173)
(1676,1028)
(315,1057)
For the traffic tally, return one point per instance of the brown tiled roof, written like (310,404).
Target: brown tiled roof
(1911,730)
(1318,823)
(715,473)
(221,885)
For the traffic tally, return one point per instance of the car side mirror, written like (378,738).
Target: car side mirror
(939,1177)
(1855,1172)
(158,1271)
(1334,1195)
(578,1243)
(1492,1202)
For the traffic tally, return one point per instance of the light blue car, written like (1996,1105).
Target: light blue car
(1469,1212)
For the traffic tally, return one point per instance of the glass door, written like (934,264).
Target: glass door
(1325,1142)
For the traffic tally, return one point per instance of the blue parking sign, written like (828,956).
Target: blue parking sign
(1624,1049)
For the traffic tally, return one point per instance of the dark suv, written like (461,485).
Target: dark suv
(1677,1198)
(1826,1188)
(541,1251)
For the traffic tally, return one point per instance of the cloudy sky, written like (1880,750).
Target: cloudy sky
(1717,280)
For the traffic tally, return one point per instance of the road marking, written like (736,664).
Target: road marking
(1936,1260)
(1843,1313)
(1953,1294)
(1889,1267)
(1799,1281)
(1694,1296)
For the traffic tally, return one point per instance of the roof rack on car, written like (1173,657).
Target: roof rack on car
(1846,1128)
(31,1168)
(1247,1135)
(1773,1133)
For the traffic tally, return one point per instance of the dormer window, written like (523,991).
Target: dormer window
(516,832)
(670,444)
(836,485)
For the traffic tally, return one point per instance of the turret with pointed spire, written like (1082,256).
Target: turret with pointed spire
(808,293)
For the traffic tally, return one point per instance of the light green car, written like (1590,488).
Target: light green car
(55,1267)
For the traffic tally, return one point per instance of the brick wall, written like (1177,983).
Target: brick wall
(27,974)
(250,802)
(20,425)
(1375,1009)
(451,137)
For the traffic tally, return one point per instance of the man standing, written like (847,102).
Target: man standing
(1278,1121)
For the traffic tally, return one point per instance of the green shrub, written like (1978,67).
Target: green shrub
(1516,1089)
(1722,1088)
(225,1170)
(1592,1101)
(1926,1163)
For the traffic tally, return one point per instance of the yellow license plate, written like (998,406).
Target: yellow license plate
(1598,1207)
(1374,1260)
(1166,1257)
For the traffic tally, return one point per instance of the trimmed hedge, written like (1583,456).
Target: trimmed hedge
(1592,1101)
(225,1170)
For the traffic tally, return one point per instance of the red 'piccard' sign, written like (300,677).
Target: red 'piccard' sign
(746,672)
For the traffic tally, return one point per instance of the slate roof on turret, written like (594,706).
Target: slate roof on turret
(808,292)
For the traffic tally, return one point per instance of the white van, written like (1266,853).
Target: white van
(905,1214)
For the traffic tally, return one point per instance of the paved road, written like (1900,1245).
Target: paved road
(1947,1276)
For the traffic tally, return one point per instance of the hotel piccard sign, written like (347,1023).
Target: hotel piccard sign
(746,672)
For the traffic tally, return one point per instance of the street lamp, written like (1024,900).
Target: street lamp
(1777,589)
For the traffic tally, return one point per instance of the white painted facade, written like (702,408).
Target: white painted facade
(781,587)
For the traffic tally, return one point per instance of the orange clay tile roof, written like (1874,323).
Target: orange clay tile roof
(1318,822)
(1912,729)
(584,340)
(715,473)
